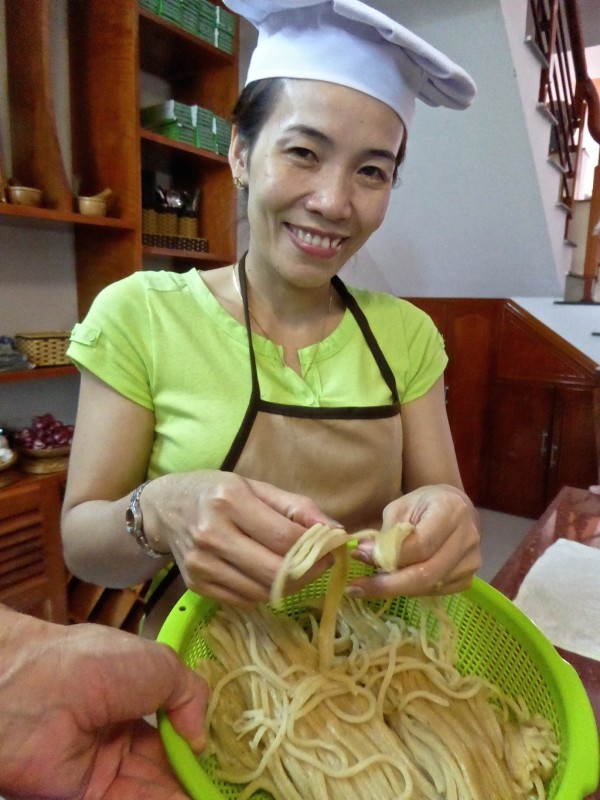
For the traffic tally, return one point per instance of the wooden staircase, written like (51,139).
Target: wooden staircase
(569,98)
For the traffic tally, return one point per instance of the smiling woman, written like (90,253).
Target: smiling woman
(249,402)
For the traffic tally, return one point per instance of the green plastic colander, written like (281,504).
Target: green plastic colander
(496,641)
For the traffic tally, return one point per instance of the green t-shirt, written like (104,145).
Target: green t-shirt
(162,340)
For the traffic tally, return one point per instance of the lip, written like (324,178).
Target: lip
(314,242)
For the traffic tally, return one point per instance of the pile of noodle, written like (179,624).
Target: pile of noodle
(347,703)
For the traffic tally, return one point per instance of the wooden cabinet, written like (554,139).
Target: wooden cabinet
(32,573)
(521,404)
(542,422)
(110,43)
(469,330)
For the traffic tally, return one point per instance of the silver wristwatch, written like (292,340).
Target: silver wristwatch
(135,523)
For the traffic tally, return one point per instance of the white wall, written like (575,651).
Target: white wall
(467,219)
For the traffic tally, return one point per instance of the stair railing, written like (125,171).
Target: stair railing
(569,95)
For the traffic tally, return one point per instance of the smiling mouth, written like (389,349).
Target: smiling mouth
(327,242)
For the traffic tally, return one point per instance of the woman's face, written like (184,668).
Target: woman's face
(319,179)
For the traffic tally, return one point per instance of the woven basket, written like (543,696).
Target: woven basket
(44,348)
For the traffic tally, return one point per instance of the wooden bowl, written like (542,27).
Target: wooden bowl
(24,195)
(92,206)
(41,462)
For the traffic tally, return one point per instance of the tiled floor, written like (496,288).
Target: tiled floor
(501,533)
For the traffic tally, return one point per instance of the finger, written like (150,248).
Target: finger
(186,698)
(246,568)
(297,508)
(158,679)
(440,574)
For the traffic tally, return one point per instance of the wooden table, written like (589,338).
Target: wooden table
(574,514)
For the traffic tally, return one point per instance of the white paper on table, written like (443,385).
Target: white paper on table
(561,595)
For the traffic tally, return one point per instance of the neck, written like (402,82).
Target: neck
(278,303)
(292,332)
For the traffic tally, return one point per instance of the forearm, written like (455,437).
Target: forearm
(98,549)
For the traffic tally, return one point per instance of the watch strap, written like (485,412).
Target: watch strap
(135,523)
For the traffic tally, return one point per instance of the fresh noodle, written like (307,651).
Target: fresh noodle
(347,702)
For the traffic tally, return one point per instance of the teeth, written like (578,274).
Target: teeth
(316,240)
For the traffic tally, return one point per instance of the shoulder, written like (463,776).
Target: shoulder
(138,292)
(144,282)
(382,308)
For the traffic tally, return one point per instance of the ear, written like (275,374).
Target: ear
(238,156)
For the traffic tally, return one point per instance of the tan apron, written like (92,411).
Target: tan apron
(347,459)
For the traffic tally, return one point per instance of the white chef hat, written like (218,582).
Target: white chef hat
(352,44)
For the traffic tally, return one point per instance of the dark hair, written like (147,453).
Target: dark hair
(257,102)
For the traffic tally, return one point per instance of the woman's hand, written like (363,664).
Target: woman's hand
(228,534)
(442,554)
(72,700)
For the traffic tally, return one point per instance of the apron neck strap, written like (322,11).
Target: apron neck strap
(361,320)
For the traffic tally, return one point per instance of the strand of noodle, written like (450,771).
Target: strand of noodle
(451,776)
(270,749)
(335,592)
(387,678)
(304,553)
(354,769)
(459,754)
(422,755)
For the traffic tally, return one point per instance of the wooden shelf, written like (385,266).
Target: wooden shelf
(38,373)
(183,255)
(168,51)
(24,215)
(108,52)
(170,146)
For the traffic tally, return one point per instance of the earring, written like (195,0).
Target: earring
(238,183)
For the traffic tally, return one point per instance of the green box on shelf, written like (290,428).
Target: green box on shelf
(224,41)
(225,21)
(151,5)
(171,10)
(189,20)
(158,114)
(176,131)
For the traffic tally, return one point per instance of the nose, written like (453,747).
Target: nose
(331,194)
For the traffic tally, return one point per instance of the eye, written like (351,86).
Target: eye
(302,153)
(375,173)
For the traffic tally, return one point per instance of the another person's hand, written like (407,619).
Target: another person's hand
(71,701)
(229,534)
(442,554)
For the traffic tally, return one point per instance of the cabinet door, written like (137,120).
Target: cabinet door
(469,327)
(470,343)
(32,575)
(573,458)
(520,443)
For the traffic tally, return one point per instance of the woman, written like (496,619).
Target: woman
(263,397)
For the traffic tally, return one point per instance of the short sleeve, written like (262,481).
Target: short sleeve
(427,354)
(110,341)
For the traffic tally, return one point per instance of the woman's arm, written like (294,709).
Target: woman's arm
(109,457)
(443,553)
(227,534)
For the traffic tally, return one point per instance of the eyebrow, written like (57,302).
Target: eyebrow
(314,133)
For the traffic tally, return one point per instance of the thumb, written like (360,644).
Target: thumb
(185,703)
